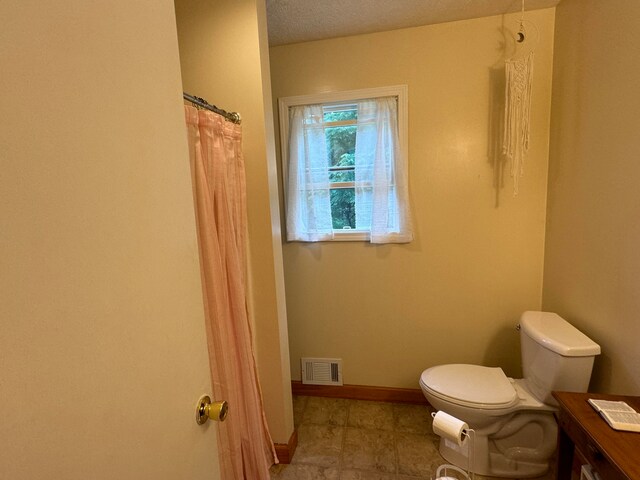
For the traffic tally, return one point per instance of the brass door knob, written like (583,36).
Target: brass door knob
(206,409)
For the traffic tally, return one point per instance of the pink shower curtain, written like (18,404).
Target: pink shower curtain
(245,446)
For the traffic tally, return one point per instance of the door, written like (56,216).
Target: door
(103,352)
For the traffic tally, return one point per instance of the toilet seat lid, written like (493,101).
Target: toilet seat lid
(470,385)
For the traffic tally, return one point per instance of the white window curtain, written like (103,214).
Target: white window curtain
(381,191)
(381,183)
(309,196)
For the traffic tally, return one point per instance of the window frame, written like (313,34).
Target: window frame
(343,97)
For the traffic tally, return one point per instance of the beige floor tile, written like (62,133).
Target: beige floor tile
(299,404)
(326,411)
(371,415)
(348,474)
(276,469)
(319,445)
(369,450)
(307,472)
(417,455)
(412,418)
(382,441)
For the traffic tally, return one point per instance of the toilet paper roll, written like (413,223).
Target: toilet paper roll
(450,427)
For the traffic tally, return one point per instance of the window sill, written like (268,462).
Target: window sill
(350,236)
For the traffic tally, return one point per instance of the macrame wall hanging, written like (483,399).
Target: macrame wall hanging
(517,113)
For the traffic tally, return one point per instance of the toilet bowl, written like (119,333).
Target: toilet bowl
(514,433)
(514,428)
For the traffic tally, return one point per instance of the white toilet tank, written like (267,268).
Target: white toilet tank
(555,355)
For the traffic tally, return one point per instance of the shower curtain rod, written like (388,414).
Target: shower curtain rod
(201,102)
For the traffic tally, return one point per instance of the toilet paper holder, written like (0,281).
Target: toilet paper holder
(465,432)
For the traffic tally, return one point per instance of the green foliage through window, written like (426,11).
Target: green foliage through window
(341,151)
(343,208)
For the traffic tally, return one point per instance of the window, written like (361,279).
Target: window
(345,166)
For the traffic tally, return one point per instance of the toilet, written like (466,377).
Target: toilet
(514,427)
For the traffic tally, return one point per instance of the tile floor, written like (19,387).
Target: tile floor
(360,440)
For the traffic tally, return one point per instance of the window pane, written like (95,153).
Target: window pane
(341,145)
(340,115)
(343,208)
(336,176)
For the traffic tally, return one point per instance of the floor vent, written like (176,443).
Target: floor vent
(322,371)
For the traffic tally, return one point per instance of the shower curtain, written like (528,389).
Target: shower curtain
(217,167)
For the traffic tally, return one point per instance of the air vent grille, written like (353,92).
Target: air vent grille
(322,371)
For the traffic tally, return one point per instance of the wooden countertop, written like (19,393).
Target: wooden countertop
(621,449)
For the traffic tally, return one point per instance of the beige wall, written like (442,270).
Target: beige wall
(102,343)
(224,59)
(456,292)
(593,231)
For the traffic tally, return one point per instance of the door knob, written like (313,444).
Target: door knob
(206,409)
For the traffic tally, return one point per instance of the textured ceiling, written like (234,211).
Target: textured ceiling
(293,21)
